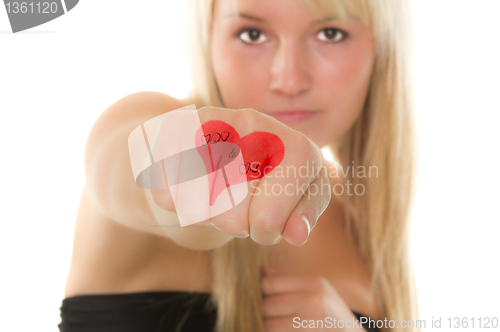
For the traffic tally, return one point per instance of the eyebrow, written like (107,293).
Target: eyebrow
(325,19)
(250,17)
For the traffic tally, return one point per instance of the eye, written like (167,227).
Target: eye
(332,35)
(251,36)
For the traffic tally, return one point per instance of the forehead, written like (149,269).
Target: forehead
(291,10)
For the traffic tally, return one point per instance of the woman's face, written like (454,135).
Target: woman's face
(274,58)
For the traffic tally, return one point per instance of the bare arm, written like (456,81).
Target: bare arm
(109,178)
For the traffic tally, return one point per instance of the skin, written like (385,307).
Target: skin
(304,300)
(293,67)
(291,63)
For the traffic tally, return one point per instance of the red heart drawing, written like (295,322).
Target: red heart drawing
(262,151)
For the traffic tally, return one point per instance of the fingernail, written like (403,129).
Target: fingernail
(278,239)
(307,222)
(220,228)
(243,234)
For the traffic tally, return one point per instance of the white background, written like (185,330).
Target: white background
(55,80)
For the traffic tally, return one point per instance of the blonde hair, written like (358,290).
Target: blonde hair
(382,136)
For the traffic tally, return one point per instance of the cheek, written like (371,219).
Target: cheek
(344,85)
(239,76)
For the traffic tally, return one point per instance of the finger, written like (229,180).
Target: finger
(281,324)
(285,283)
(313,203)
(235,220)
(279,191)
(290,304)
(167,142)
(163,199)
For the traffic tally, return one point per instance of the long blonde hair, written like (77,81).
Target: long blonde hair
(382,136)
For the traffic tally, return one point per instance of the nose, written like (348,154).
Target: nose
(289,73)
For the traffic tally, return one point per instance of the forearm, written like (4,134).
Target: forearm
(193,236)
(111,184)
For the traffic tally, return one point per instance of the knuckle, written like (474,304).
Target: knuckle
(268,284)
(251,118)
(205,109)
(207,113)
(267,221)
(317,282)
(159,198)
(230,226)
(315,303)
(306,147)
(300,140)
(250,111)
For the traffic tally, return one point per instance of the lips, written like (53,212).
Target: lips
(293,116)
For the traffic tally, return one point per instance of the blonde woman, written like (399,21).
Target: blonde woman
(314,73)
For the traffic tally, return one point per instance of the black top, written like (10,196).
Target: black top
(157,311)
